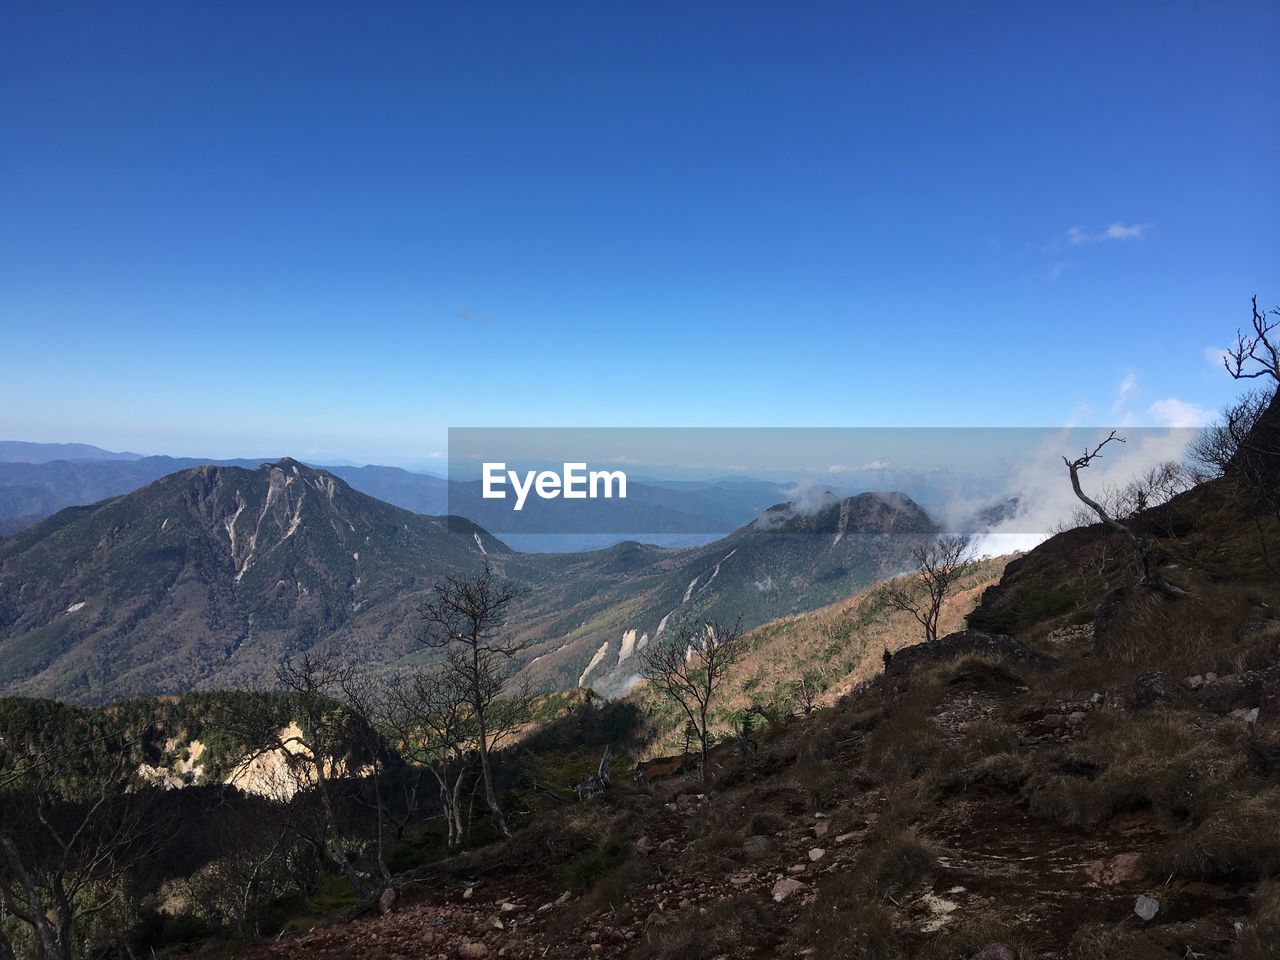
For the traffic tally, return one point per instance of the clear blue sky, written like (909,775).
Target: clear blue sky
(335,230)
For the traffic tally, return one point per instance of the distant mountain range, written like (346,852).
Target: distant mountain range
(207,577)
(39,479)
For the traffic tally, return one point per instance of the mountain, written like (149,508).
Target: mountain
(214,574)
(21,451)
(32,490)
(210,576)
(789,560)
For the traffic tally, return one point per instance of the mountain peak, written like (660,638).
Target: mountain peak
(861,513)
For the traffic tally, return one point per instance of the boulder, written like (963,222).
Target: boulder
(1122,868)
(785,887)
(1152,689)
(387,900)
(1146,908)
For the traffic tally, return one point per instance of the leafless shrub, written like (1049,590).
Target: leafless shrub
(939,566)
(690,670)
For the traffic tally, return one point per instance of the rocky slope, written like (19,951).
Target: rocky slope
(1101,785)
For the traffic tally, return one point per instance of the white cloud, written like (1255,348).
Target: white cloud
(1216,357)
(1126,392)
(1078,236)
(873,465)
(1120,231)
(1058,269)
(1172,412)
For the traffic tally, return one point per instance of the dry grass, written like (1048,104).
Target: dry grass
(1261,931)
(852,917)
(1191,635)
(989,755)
(1113,942)
(1165,762)
(1239,839)
(865,929)
(973,932)
(729,927)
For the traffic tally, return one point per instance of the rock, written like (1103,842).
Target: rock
(597,949)
(1146,908)
(509,907)
(796,869)
(685,904)
(1097,698)
(851,835)
(387,900)
(563,899)
(816,854)
(820,829)
(1194,683)
(468,893)
(1122,868)
(995,951)
(1076,718)
(962,643)
(757,847)
(497,924)
(1244,715)
(785,888)
(472,950)
(667,846)
(643,846)
(1152,689)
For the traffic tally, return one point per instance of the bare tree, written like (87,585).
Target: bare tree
(1146,550)
(807,690)
(939,566)
(691,669)
(467,619)
(365,699)
(69,839)
(1217,446)
(1255,354)
(258,862)
(1125,502)
(430,722)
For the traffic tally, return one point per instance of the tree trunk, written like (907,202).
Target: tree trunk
(489,796)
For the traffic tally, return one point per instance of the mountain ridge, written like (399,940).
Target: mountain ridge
(212,575)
